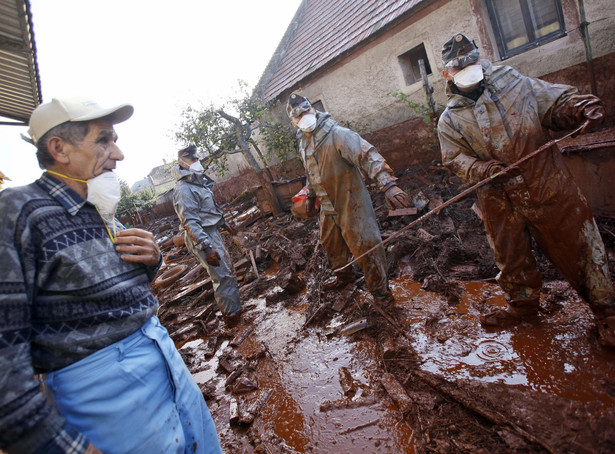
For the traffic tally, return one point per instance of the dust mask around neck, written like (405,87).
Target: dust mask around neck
(307,122)
(469,77)
(104,193)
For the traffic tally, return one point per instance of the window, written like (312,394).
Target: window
(523,24)
(318,105)
(409,63)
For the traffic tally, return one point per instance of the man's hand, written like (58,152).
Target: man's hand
(589,110)
(594,115)
(211,256)
(137,245)
(492,169)
(91,449)
(397,199)
(310,207)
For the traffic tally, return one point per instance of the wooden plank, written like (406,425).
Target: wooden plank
(403,212)
(192,288)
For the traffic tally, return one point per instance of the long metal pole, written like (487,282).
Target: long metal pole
(465,193)
(428,89)
(588,47)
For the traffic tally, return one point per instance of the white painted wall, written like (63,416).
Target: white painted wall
(357,90)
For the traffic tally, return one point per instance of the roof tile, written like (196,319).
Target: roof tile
(326,29)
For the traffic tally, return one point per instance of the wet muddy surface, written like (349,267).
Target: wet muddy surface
(322,372)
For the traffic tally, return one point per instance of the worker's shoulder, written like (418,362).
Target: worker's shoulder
(502,76)
(342,132)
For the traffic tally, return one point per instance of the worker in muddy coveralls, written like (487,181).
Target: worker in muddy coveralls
(494,117)
(333,157)
(76,307)
(201,219)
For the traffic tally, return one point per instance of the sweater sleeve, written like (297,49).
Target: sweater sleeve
(27,423)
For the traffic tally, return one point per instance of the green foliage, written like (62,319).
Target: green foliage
(419,109)
(279,139)
(130,203)
(353,125)
(206,129)
(216,137)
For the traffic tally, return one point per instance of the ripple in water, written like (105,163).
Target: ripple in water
(491,350)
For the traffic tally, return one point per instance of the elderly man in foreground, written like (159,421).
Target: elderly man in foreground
(76,307)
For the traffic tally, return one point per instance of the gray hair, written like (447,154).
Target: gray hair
(71,132)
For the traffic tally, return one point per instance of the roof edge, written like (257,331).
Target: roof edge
(377,34)
(280,50)
(34,69)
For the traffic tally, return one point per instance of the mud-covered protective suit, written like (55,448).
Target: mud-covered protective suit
(333,157)
(540,202)
(200,216)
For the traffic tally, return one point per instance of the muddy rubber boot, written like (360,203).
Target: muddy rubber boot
(511,316)
(384,299)
(337,282)
(231,321)
(606,331)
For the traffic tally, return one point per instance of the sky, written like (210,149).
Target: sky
(159,56)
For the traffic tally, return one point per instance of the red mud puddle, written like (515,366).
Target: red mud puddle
(308,411)
(556,355)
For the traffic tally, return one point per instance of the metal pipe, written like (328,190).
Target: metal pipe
(588,47)
(469,190)
(428,89)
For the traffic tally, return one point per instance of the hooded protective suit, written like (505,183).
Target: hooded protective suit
(200,216)
(333,157)
(504,124)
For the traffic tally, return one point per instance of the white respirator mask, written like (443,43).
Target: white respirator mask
(307,122)
(104,193)
(469,77)
(195,166)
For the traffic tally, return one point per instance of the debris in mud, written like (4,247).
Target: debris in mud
(285,379)
(396,392)
(354,327)
(452,291)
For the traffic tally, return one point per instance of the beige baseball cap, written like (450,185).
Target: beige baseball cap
(51,114)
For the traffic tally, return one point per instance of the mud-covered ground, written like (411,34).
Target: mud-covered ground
(314,371)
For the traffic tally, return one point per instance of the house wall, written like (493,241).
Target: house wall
(357,88)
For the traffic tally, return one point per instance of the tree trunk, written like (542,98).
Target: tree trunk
(258,150)
(242,141)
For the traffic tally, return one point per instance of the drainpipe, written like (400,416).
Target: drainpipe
(428,89)
(588,47)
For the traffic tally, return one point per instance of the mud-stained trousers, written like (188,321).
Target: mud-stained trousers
(226,290)
(564,229)
(340,241)
(136,396)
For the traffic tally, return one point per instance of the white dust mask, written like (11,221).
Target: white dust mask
(469,77)
(196,167)
(104,193)
(307,122)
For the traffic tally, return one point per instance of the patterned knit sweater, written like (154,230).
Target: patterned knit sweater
(64,294)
